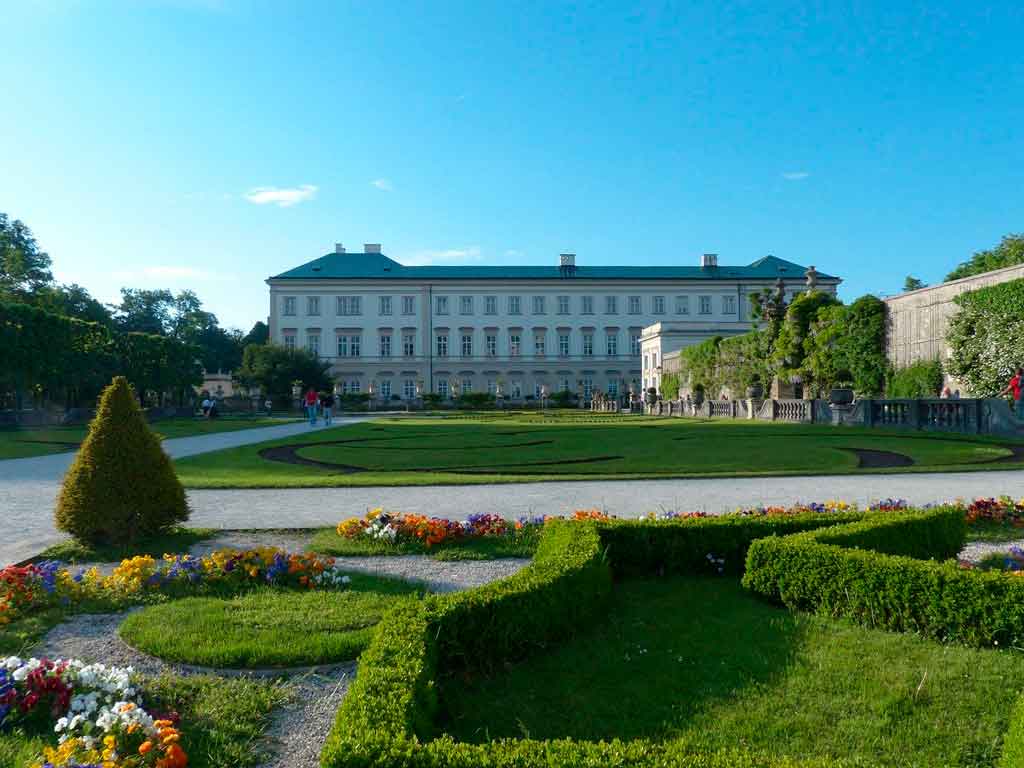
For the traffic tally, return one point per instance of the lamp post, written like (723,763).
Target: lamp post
(419,393)
(371,390)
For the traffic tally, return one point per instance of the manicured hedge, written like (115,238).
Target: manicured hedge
(873,572)
(682,545)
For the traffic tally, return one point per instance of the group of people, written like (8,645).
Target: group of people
(318,403)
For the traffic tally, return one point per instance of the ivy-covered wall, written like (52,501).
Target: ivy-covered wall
(986,337)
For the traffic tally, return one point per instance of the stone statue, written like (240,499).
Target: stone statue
(812,278)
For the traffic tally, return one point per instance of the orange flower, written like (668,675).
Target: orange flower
(144,747)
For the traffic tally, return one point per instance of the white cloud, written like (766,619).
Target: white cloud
(795,175)
(283,197)
(384,185)
(450,256)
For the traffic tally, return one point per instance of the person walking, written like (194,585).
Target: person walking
(311,401)
(327,406)
(1015,386)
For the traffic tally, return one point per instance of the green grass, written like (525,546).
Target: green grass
(701,661)
(177,541)
(993,532)
(16,443)
(266,627)
(519,544)
(492,448)
(221,720)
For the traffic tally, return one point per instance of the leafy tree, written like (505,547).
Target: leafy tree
(71,301)
(23,267)
(986,337)
(274,368)
(144,311)
(122,486)
(911,283)
(788,348)
(861,347)
(922,379)
(1009,252)
(260,334)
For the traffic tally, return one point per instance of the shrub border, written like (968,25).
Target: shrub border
(386,719)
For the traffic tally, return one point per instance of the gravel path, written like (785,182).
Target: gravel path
(298,729)
(977,551)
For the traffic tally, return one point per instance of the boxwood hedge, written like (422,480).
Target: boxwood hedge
(386,719)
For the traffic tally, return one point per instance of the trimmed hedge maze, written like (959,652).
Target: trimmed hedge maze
(879,568)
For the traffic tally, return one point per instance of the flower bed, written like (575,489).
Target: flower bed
(24,589)
(95,710)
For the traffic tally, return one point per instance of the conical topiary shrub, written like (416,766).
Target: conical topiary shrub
(121,486)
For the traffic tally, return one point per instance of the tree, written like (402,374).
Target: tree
(1009,252)
(273,369)
(911,283)
(260,334)
(23,267)
(144,311)
(71,301)
(122,486)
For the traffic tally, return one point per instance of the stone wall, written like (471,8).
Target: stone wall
(918,320)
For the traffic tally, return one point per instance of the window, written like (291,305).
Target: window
(442,345)
(467,345)
(634,305)
(563,384)
(588,305)
(538,344)
(647,363)
(682,305)
(536,391)
(348,345)
(289,341)
(613,388)
(408,305)
(658,305)
(588,345)
(385,345)
(408,389)
(611,305)
(440,305)
(442,387)
(490,305)
(312,305)
(513,305)
(385,389)
(513,344)
(491,341)
(654,359)
(408,344)
(349,305)
(538,305)
(492,387)
(563,345)
(705,305)
(563,305)
(467,386)
(289,306)
(384,305)
(313,343)
(728,305)
(355,386)
(634,344)
(466,305)
(517,390)
(588,387)
(612,344)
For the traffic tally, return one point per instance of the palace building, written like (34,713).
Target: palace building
(449,329)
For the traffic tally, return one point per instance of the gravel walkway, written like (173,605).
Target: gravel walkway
(298,729)
(977,551)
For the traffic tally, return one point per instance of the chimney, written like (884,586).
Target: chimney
(339,248)
(709,260)
(371,248)
(567,260)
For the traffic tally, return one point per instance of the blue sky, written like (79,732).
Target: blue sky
(211,144)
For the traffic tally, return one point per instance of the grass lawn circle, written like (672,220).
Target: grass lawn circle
(266,627)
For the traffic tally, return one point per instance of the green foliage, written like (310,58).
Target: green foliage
(23,267)
(681,546)
(986,337)
(274,368)
(861,348)
(121,487)
(1013,742)
(744,360)
(788,349)
(476,400)
(670,383)
(921,379)
(874,573)
(699,365)
(1009,252)
(562,398)
(911,283)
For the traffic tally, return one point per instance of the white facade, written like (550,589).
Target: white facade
(521,329)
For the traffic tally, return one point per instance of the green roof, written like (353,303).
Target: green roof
(377,266)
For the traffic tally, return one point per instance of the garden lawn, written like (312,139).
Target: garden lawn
(700,660)
(221,721)
(521,543)
(519,448)
(21,443)
(267,627)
